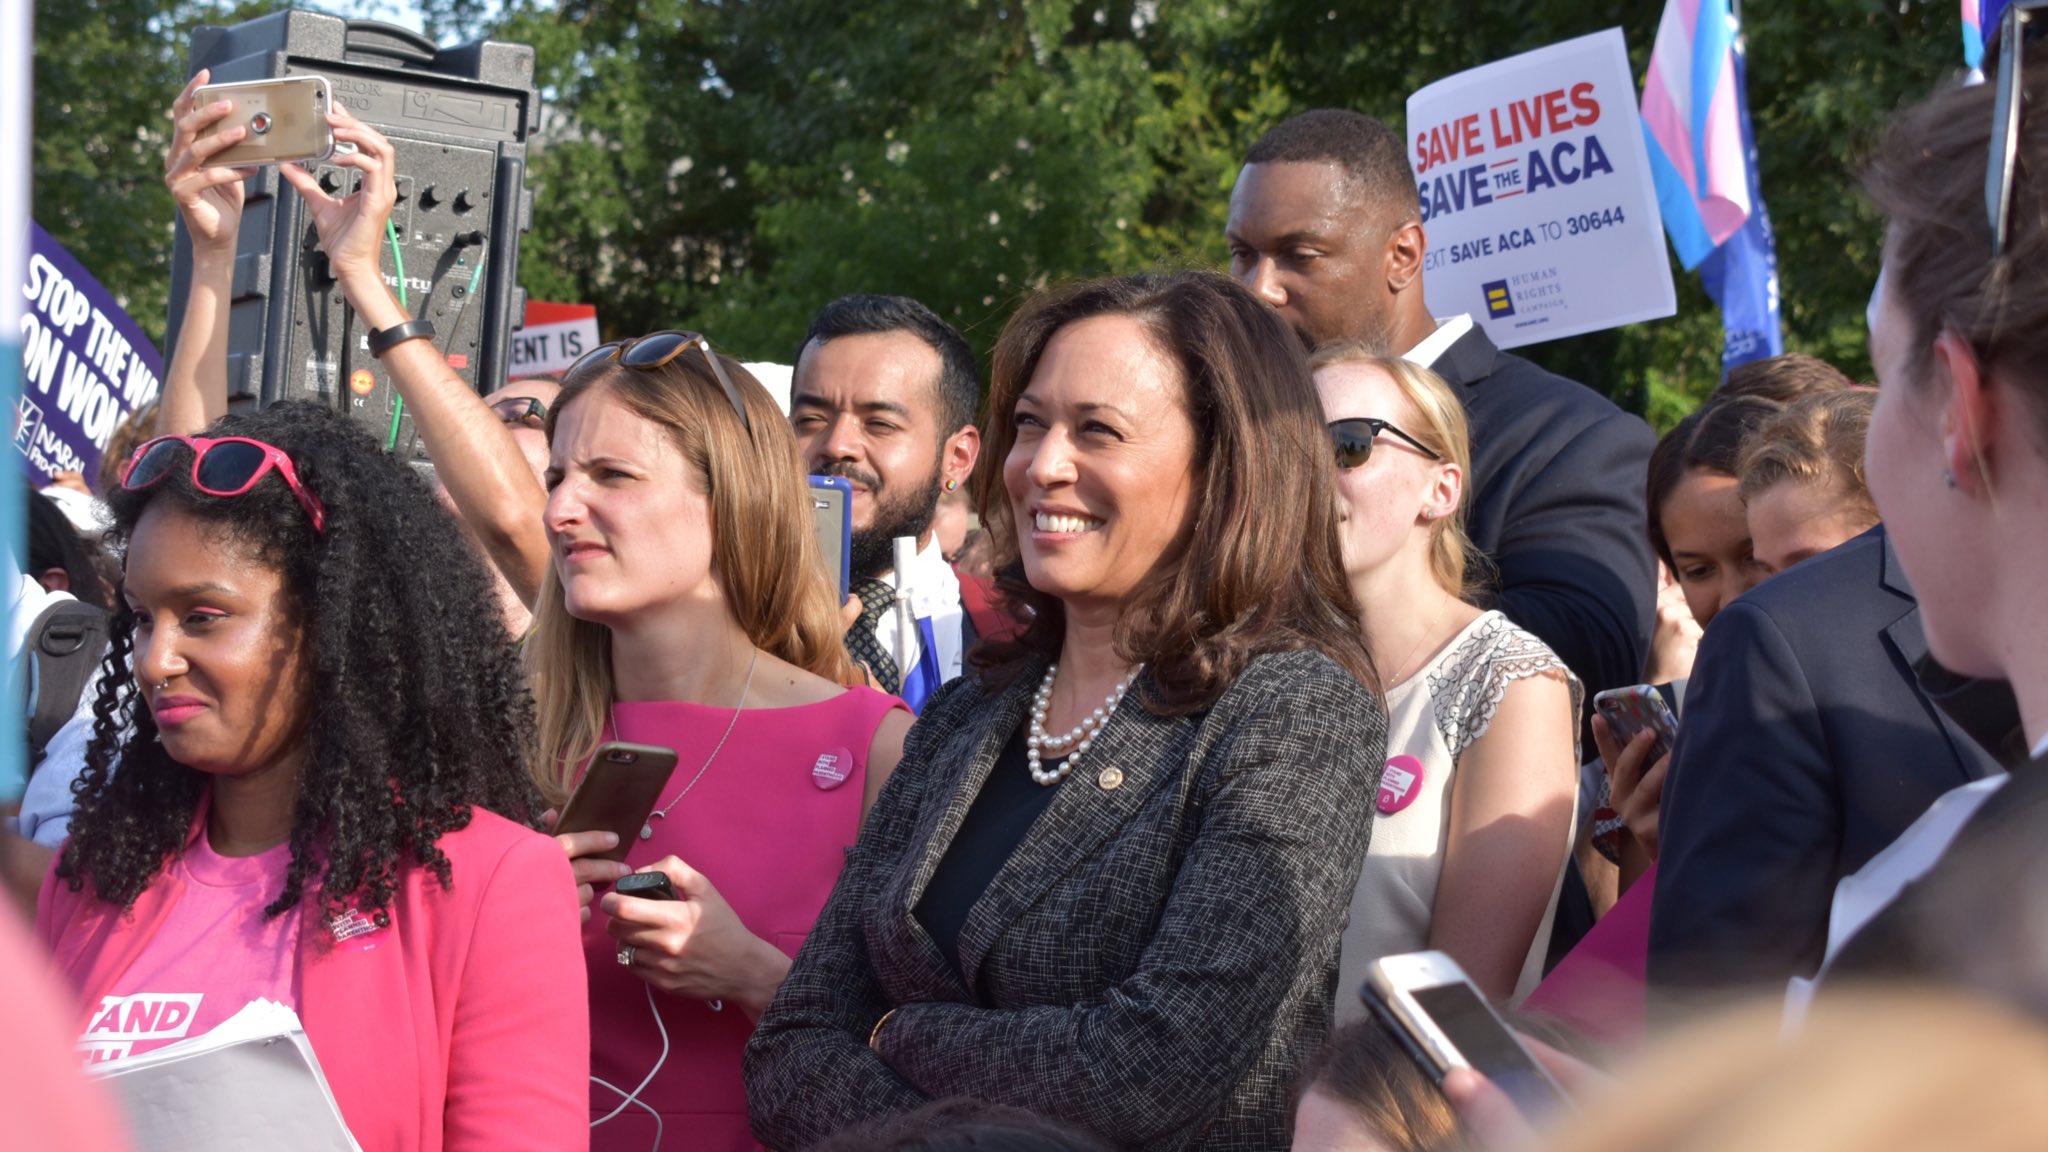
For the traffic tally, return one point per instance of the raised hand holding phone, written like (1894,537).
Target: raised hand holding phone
(208,194)
(352,227)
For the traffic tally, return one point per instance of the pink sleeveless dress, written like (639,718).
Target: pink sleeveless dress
(768,824)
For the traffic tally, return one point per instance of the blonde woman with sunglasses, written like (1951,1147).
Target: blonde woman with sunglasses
(1475,810)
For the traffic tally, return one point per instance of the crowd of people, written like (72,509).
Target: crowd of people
(1271,650)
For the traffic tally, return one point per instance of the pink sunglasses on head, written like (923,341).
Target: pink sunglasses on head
(229,466)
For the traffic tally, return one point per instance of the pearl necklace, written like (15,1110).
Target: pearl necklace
(1037,743)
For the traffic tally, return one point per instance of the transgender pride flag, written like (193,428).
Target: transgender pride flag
(1693,124)
(1980,20)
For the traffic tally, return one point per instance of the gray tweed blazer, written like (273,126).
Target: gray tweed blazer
(1154,962)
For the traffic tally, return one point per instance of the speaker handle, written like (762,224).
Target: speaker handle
(374,38)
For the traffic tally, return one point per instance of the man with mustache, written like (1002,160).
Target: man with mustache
(884,394)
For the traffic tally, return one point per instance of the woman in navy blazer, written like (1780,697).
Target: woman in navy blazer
(1106,882)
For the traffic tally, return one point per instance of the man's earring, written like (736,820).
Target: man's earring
(952,485)
(1948,477)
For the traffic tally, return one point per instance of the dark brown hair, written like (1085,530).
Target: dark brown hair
(1710,439)
(1365,1069)
(1783,378)
(1260,571)
(1928,180)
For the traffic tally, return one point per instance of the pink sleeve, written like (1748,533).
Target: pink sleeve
(47,1101)
(519,1056)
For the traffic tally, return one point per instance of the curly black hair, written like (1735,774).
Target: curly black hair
(419,708)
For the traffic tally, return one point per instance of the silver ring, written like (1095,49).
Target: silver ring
(626,955)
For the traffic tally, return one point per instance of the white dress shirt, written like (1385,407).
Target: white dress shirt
(1432,348)
(934,595)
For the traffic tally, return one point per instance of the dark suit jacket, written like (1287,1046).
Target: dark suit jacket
(1557,503)
(1808,745)
(1152,964)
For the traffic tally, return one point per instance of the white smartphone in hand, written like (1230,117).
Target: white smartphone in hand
(1443,1020)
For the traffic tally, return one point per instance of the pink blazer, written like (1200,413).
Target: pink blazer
(464,1025)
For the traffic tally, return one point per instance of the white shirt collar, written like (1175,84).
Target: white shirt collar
(934,587)
(2041,749)
(1448,332)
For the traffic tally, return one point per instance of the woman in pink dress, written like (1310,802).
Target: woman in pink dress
(687,606)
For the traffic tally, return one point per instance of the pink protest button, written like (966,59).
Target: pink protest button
(832,768)
(1399,784)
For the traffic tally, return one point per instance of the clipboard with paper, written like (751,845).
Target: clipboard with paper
(251,1083)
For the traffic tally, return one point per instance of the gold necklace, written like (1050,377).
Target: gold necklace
(1424,639)
(647,829)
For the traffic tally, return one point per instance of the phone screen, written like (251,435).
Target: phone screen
(1493,1052)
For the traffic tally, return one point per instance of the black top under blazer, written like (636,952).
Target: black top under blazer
(1808,745)
(1557,504)
(1154,962)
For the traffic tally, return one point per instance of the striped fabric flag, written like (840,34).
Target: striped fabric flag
(1973,32)
(1693,125)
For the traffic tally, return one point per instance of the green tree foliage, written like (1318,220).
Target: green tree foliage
(106,71)
(733,166)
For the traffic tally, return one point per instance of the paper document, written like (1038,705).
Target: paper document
(252,1083)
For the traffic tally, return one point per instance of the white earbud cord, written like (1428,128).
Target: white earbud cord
(632,1099)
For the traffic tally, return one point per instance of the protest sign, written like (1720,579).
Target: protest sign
(85,365)
(553,336)
(1536,195)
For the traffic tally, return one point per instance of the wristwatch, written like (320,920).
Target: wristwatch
(385,339)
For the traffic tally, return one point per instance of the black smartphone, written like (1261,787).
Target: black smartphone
(618,792)
(647,886)
(1444,1022)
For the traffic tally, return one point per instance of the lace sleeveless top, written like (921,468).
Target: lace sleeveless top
(1433,717)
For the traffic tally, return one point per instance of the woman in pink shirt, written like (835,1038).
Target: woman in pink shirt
(687,606)
(308,784)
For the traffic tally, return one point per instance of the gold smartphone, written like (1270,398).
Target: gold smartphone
(286,119)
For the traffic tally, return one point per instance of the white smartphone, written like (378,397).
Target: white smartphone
(1440,1016)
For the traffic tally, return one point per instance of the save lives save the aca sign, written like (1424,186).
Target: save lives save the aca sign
(1536,195)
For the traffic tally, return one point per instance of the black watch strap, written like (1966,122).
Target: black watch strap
(385,339)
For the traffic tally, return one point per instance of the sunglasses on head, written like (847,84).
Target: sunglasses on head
(521,410)
(657,349)
(1353,440)
(2016,28)
(228,466)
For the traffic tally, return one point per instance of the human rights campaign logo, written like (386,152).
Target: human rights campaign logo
(1498,302)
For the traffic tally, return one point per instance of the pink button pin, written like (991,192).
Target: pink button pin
(1399,784)
(832,768)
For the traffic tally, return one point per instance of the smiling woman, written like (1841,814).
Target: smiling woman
(1120,850)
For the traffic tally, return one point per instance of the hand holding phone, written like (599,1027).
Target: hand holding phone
(208,192)
(1445,1023)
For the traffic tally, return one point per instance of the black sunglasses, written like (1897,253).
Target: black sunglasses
(1353,440)
(2015,28)
(521,410)
(655,350)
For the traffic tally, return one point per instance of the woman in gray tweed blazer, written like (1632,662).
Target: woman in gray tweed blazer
(1107,880)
